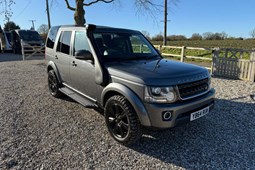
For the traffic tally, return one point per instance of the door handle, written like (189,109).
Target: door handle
(74,64)
(56,57)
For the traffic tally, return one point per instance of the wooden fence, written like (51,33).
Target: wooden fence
(29,51)
(224,62)
(230,63)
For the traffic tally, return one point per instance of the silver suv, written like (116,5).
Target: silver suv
(119,71)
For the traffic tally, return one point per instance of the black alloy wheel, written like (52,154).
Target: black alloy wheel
(53,84)
(121,120)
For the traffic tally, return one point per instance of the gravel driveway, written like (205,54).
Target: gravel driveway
(38,131)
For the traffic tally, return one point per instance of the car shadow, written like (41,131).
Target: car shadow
(223,139)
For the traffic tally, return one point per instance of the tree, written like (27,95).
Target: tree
(176,37)
(207,35)
(6,8)
(196,36)
(252,33)
(79,14)
(79,9)
(8,26)
(224,35)
(43,29)
(215,36)
(158,37)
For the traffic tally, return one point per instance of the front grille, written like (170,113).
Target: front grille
(189,90)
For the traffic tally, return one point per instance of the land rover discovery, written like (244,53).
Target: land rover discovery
(121,72)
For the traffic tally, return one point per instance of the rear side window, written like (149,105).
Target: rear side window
(64,42)
(52,37)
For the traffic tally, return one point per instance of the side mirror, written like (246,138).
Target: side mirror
(84,55)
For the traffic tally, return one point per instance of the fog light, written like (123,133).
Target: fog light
(167,115)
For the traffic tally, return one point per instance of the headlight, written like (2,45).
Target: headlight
(160,94)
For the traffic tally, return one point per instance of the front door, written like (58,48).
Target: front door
(82,72)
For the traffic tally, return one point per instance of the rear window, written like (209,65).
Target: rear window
(52,37)
(29,35)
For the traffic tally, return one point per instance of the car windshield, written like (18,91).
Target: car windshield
(123,46)
(29,36)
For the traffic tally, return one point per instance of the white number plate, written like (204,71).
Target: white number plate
(199,113)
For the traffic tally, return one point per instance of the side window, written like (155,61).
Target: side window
(52,37)
(80,42)
(64,42)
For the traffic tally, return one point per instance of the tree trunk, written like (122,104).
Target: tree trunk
(79,13)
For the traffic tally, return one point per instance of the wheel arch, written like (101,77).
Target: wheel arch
(52,66)
(119,89)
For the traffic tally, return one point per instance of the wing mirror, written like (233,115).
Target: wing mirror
(84,55)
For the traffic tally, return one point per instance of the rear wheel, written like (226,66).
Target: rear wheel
(53,84)
(121,120)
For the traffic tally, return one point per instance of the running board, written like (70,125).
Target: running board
(77,97)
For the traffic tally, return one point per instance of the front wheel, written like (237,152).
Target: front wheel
(121,120)
(54,84)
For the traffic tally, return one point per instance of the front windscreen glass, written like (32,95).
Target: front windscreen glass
(123,46)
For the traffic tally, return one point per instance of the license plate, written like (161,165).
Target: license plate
(199,113)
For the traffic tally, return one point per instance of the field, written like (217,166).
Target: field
(237,44)
(233,44)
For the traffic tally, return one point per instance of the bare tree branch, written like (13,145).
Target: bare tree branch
(6,8)
(96,1)
(68,6)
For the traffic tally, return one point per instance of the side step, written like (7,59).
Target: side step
(77,97)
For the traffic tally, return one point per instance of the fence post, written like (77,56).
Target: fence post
(141,46)
(252,67)
(183,53)
(215,55)
(22,49)
(160,48)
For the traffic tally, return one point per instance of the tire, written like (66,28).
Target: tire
(54,85)
(121,120)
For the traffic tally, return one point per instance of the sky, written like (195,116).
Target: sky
(234,17)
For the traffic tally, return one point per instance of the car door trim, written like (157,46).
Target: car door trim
(77,91)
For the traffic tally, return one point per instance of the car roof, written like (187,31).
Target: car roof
(98,28)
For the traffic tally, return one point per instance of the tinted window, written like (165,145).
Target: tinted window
(52,37)
(122,45)
(64,42)
(29,35)
(80,41)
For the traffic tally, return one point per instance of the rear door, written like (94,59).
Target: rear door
(82,72)
(62,56)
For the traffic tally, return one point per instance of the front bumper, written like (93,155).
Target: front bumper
(180,111)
